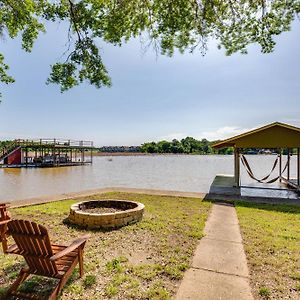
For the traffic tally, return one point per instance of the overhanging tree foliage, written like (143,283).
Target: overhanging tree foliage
(185,25)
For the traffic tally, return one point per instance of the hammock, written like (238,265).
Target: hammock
(262,180)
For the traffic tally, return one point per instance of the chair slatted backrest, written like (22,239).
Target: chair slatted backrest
(4,215)
(34,245)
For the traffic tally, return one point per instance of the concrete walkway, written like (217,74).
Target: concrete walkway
(219,268)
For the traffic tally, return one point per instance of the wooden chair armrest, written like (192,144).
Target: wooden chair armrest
(75,244)
(12,248)
(5,205)
(4,222)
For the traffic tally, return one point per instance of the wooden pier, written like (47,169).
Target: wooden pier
(46,153)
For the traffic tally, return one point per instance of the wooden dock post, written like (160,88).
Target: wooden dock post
(288,164)
(298,166)
(280,164)
(236,167)
(26,157)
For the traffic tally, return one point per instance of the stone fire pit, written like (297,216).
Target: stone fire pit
(106,214)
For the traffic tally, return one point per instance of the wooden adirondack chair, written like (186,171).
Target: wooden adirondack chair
(4,219)
(42,257)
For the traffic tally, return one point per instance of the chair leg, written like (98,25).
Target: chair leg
(21,278)
(62,281)
(59,286)
(56,291)
(80,259)
(4,244)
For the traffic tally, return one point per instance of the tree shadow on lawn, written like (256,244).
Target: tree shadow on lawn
(285,208)
(36,285)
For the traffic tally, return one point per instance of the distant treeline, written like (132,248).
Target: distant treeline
(188,145)
(4,144)
(120,149)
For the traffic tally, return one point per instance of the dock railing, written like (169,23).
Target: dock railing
(53,143)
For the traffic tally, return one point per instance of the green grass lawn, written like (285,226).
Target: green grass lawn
(271,235)
(141,261)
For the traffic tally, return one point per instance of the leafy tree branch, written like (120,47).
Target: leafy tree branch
(185,25)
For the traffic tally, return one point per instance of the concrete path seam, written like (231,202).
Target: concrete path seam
(219,272)
(226,241)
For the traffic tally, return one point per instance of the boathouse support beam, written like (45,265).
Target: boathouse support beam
(288,163)
(236,167)
(280,164)
(298,166)
(26,157)
(92,152)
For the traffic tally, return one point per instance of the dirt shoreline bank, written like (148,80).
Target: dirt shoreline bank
(200,195)
(86,193)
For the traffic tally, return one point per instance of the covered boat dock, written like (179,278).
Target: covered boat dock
(46,153)
(281,138)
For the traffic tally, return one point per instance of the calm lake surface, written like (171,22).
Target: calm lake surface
(191,173)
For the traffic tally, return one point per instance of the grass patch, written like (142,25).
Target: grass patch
(89,281)
(111,290)
(271,239)
(140,261)
(295,276)
(264,292)
(115,265)
(158,292)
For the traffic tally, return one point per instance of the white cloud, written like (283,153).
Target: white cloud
(223,133)
(218,134)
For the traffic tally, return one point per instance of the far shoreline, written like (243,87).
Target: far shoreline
(120,153)
(149,154)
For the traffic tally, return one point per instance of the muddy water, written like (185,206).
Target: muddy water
(192,173)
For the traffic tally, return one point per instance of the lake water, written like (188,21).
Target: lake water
(191,173)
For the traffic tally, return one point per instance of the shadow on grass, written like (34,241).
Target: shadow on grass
(11,273)
(36,285)
(285,208)
(83,228)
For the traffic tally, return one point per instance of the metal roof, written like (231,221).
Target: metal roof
(274,135)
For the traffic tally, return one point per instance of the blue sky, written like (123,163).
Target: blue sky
(151,98)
